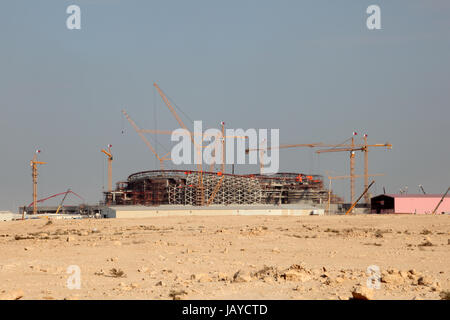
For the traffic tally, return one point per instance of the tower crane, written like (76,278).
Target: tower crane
(34,172)
(352,149)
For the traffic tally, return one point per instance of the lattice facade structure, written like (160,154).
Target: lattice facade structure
(178,187)
(232,190)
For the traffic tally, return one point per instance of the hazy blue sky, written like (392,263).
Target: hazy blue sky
(310,68)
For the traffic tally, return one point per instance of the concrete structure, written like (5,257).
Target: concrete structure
(409,203)
(181,210)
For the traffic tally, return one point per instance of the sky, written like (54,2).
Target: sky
(309,68)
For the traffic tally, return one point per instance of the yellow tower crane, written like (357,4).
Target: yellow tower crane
(352,149)
(34,172)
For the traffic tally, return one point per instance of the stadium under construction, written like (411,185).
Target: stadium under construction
(178,187)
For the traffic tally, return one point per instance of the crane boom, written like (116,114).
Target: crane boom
(442,199)
(354,203)
(149,145)
(355,148)
(345,177)
(169,105)
(62,201)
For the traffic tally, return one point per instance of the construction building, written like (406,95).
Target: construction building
(178,187)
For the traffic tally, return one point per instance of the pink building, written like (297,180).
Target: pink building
(410,203)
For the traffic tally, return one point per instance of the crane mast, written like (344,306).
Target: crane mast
(34,173)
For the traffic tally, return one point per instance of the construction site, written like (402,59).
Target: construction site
(213,186)
(209,233)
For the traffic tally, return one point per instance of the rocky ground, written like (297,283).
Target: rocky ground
(257,257)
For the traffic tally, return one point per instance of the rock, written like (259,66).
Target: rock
(276,250)
(299,267)
(143,269)
(412,271)
(268,279)
(177,294)
(392,271)
(426,243)
(362,293)
(159,284)
(100,273)
(201,277)
(267,271)
(403,274)
(424,281)
(445,295)
(22,237)
(117,273)
(12,295)
(222,276)
(293,275)
(394,278)
(242,276)
(413,277)
(70,239)
(339,280)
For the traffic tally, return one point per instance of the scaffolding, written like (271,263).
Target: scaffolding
(233,190)
(177,187)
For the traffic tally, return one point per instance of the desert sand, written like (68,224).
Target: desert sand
(257,257)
